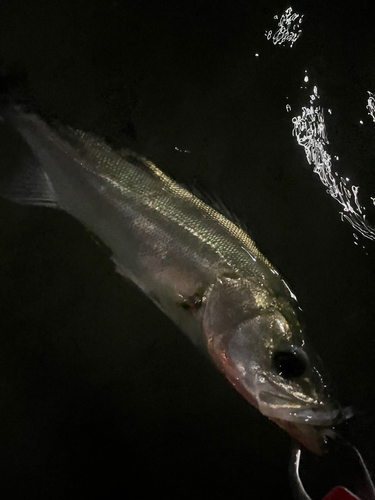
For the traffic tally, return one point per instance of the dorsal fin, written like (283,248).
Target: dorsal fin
(216,203)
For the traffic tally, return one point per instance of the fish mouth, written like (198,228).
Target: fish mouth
(276,401)
(293,410)
(308,423)
(311,437)
(305,423)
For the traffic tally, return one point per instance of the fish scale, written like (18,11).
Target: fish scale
(148,186)
(202,270)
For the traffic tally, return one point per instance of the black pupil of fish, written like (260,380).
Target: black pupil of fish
(288,364)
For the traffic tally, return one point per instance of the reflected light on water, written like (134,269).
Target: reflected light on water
(309,129)
(288,30)
(371,105)
(182,150)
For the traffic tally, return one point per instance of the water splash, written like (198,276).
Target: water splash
(310,131)
(288,30)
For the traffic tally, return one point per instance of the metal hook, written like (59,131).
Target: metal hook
(297,486)
(367,489)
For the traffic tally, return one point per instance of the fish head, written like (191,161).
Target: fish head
(256,339)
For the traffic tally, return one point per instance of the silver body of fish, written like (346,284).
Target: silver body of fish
(198,267)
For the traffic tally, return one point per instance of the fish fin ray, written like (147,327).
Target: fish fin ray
(30,186)
(121,269)
(22,179)
(216,203)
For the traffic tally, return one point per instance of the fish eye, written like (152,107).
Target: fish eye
(288,365)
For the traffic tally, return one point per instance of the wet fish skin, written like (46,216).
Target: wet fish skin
(200,268)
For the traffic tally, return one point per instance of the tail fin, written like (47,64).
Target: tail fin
(22,180)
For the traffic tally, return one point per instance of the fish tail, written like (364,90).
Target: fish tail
(22,180)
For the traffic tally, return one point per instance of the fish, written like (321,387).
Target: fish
(200,268)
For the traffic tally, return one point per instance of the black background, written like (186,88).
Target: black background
(99,393)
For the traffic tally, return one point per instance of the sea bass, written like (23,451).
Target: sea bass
(198,267)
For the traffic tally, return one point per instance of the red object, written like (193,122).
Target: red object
(340,493)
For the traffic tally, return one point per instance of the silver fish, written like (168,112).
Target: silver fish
(200,268)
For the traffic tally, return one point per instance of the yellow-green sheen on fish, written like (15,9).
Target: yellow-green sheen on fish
(198,267)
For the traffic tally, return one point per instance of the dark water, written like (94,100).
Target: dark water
(99,392)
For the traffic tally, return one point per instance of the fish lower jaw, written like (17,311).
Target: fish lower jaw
(306,433)
(310,436)
(310,415)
